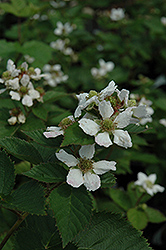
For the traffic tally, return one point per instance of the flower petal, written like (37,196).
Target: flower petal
(158,188)
(103,139)
(87,151)
(75,178)
(109,90)
(122,138)
(27,101)
(91,181)
(53,132)
(66,158)
(15,95)
(88,126)
(123,119)
(140,111)
(105,109)
(102,167)
(152,178)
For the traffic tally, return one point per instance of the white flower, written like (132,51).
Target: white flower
(103,69)
(83,170)
(85,99)
(163,122)
(63,28)
(29,59)
(13,83)
(117,14)
(12,120)
(147,182)
(109,125)
(52,132)
(12,68)
(163,20)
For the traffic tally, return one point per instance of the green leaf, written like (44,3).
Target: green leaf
(53,96)
(39,232)
(160,103)
(108,231)
(121,198)
(154,215)
(144,157)
(7,176)
(32,123)
(75,135)
(21,149)
(132,128)
(107,180)
(29,197)
(37,136)
(8,245)
(72,208)
(47,172)
(40,112)
(137,217)
(22,167)
(39,50)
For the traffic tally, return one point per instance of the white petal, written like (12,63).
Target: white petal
(152,178)
(25,80)
(122,138)
(91,181)
(142,177)
(12,120)
(102,167)
(13,84)
(123,95)
(66,158)
(53,132)
(14,95)
(109,90)
(34,94)
(87,151)
(77,112)
(105,109)
(158,188)
(149,191)
(103,139)
(75,178)
(140,111)
(21,118)
(27,101)
(88,126)
(123,119)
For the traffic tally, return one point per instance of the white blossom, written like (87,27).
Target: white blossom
(83,170)
(147,182)
(163,122)
(54,75)
(63,28)
(104,68)
(163,20)
(117,14)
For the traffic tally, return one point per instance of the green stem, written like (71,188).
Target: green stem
(139,199)
(13,229)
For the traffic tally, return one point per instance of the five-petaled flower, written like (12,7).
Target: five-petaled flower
(147,182)
(83,170)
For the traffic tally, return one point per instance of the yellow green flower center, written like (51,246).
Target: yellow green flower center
(107,125)
(85,165)
(23,90)
(149,184)
(66,122)
(92,93)
(131,103)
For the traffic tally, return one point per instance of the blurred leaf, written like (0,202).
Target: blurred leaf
(6,49)
(137,217)
(72,208)
(160,103)
(22,167)
(53,96)
(154,215)
(132,128)
(121,198)
(7,176)
(40,112)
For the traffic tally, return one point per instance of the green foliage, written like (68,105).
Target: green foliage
(116,234)
(47,172)
(7,175)
(137,217)
(21,149)
(72,209)
(21,199)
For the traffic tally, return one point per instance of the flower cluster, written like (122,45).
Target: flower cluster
(54,75)
(17,116)
(104,68)
(147,183)
(104,115)
(18,82)
(63,29)
(62,46)
(117,14)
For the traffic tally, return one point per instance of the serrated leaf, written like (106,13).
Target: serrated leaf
(108,231)
(107,180)
(39,232)
(7,176)
(29,197)
(132,128)
(121,198)
(22,167)
(72,208)
(21,149)
(9,243)
(75,135)
(154,215)
(137,217)
(47,172)
(40,112)
(53,96)
(32,123)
